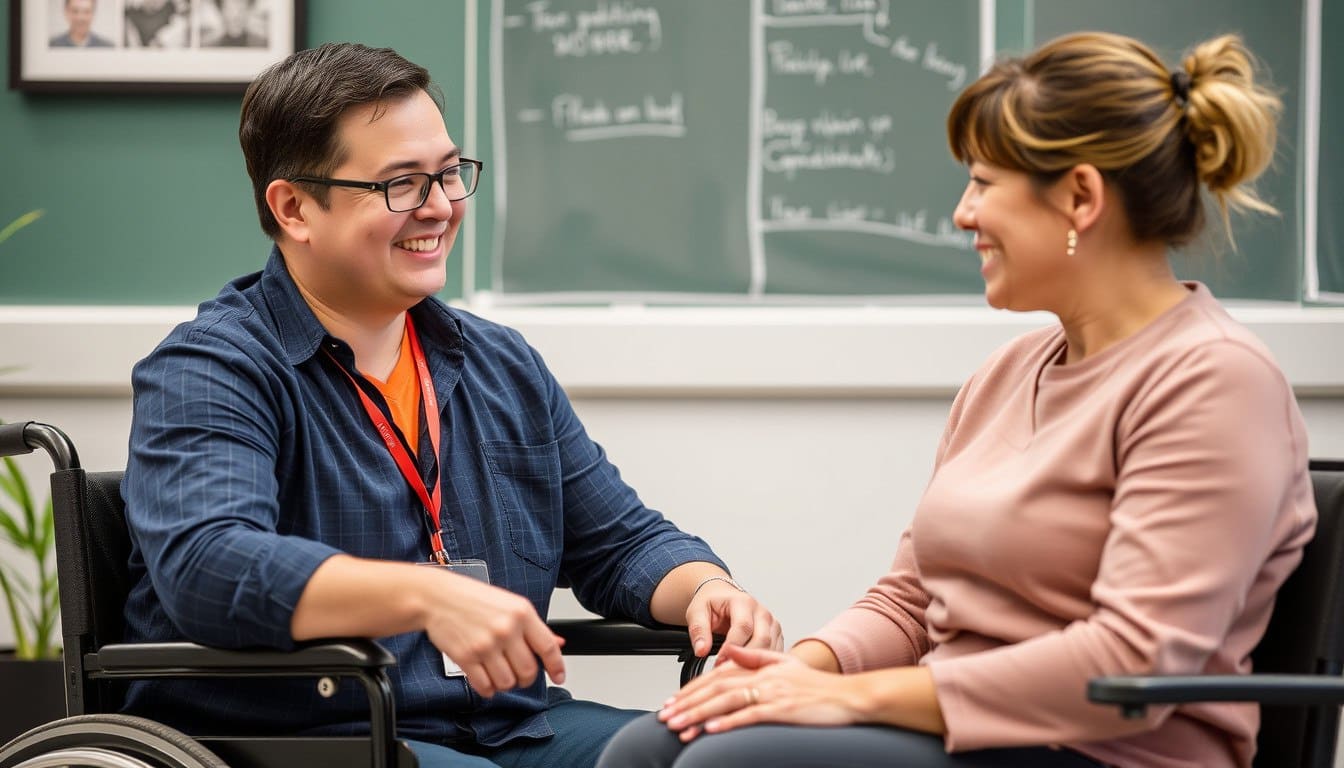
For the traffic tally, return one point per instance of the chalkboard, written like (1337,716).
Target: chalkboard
(687,151)
(703,149)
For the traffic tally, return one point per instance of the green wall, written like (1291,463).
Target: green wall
(146,197)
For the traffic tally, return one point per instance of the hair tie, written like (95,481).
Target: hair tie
(1180,85)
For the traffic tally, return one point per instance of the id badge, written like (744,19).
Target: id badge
(476,569)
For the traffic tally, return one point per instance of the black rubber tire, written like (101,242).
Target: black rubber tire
(149,741)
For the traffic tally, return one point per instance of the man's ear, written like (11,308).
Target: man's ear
(290,205)
(1084,195)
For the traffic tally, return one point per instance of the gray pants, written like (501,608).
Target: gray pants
(647,743)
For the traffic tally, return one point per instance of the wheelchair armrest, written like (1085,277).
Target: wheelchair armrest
(318,657)
(602,637)
(609,637)
(364,660)
(1133,693)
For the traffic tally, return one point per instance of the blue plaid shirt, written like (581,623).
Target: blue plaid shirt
(252,462)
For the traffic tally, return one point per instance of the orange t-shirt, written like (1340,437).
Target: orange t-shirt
(402,393)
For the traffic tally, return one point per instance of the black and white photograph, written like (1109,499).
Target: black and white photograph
(234,23)
(148,46)
(157,24)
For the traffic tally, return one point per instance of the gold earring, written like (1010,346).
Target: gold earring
(1071,241)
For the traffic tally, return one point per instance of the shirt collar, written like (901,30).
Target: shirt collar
(298,328)
(302,334)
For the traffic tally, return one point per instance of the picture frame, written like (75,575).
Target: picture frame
(148,46)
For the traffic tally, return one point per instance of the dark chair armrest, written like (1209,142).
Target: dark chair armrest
(609,637)
(603,637)
(319,657)
(1134,693)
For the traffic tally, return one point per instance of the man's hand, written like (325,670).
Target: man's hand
(718,607)
(708,600)
(494,635)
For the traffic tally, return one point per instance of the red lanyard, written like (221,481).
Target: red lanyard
(431,500)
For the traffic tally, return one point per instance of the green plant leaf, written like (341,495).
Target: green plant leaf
(16,487)
(11,482)
(20,635)
(8,483)
(22,587)
(19,223)
(10,529)
(33,604)
(29,613)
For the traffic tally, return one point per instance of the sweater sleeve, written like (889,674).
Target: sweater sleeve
(1206,457)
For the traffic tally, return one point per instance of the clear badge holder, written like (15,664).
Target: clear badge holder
(476,569)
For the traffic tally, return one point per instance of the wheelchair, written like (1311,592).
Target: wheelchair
(92,550)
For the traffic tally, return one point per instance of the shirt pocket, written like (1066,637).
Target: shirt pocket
(526,479)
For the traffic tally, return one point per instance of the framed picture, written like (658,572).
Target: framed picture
(148,46)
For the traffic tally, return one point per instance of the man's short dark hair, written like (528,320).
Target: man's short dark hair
(288,125)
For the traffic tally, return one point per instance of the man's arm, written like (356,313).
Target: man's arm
(493,634)
(618,551)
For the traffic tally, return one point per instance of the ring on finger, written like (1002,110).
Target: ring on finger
(752,696)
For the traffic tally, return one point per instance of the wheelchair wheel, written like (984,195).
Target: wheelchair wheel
(106,741)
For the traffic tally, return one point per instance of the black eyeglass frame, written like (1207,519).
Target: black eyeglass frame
(383,186)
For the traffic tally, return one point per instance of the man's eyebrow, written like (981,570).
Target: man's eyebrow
(411,165)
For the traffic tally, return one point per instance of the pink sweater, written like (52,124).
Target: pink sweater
(1130,514)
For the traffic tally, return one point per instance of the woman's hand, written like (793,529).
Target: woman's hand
(751,686)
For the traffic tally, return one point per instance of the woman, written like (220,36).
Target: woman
(1122,493)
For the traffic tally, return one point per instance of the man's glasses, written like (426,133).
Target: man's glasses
(410,191)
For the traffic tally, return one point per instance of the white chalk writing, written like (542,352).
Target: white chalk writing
(610,27)
(587,120)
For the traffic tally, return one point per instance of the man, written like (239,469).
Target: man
(323,425)
(79,23)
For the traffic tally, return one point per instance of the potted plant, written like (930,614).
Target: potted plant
(32,599)
(29,591)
